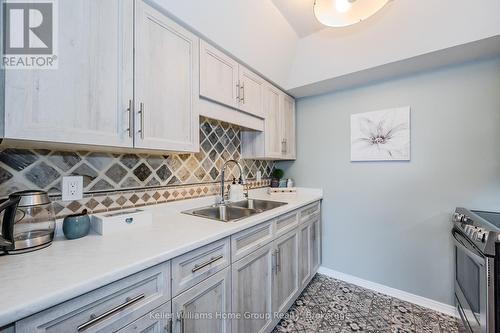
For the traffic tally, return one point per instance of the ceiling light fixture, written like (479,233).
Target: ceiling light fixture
(343,6)
(341,13)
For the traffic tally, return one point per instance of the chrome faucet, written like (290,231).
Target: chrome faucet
(242,178)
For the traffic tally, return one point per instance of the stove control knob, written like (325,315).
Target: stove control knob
(457,217)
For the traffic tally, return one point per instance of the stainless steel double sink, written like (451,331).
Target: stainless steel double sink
(235,211)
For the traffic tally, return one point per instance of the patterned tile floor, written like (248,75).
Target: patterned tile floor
(329,305)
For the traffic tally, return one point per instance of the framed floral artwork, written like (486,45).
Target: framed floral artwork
(381,135)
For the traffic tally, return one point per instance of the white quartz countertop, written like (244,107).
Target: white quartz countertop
(35,281)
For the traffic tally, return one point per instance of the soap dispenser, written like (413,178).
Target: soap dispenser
(236,191)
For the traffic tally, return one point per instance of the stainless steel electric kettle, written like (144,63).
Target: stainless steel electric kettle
(28,222)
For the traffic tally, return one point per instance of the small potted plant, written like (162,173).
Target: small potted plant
(276,176)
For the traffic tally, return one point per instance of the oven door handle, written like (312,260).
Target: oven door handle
(480,260)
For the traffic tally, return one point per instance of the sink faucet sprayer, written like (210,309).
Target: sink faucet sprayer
(242,178)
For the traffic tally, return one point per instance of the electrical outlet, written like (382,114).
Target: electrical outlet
(259,176)
(72,188)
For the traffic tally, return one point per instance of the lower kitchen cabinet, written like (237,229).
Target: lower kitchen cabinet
(239,284)
(286,280)
(304,254)
(158,321)
(252,279)
(203,307)
(315,245)
(107,309)
(309,249)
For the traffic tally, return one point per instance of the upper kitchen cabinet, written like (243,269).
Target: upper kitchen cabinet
(87,99)
(251,94)
(277,141)
(288,123)
(166,83)
(229,91)
(103,94)
(218,76)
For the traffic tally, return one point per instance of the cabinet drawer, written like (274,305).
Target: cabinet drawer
(195,266)
(157,321)
(307,211)
(249,240)
(311,218)
(106,309)
(286,223)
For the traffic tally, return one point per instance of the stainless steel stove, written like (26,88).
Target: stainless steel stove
(476,235)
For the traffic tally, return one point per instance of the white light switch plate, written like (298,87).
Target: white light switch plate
(72,188)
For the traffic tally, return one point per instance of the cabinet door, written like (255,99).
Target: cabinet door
(85,100)
(304,254)
(166,83)
(288,122)
(273,127)
(157,321)
(196,310)
(252,290)
(251,92)
(315,236)
(218,76)
(285,286)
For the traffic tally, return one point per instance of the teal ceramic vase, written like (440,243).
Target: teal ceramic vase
(76,226)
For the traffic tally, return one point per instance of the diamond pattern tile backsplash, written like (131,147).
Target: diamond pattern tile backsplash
(110,173)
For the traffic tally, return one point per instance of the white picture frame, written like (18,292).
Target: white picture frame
(382,135)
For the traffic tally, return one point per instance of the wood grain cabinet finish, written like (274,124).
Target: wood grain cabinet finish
(277,141)
(158,321)
(125,79)
(219,76)
(225,81)
(86,99)
(166,83)
(106,309)
(251,96)
(288,130)
(271,264)
(286,280)
(247,241)
(286,223)
(304,254)
(315,243)
(196,310)
(195,266)
(306,212)
(252,279)
(309,243)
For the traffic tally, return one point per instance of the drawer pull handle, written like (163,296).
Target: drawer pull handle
(95,319)
(197,267)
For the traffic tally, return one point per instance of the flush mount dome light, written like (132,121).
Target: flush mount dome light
(341,13)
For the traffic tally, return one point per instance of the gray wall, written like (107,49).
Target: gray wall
(389,222)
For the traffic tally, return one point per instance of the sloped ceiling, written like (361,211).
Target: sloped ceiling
(253,31)
(299,14)
(282,41)
(403,30)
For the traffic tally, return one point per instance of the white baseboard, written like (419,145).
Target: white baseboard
(403,295)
